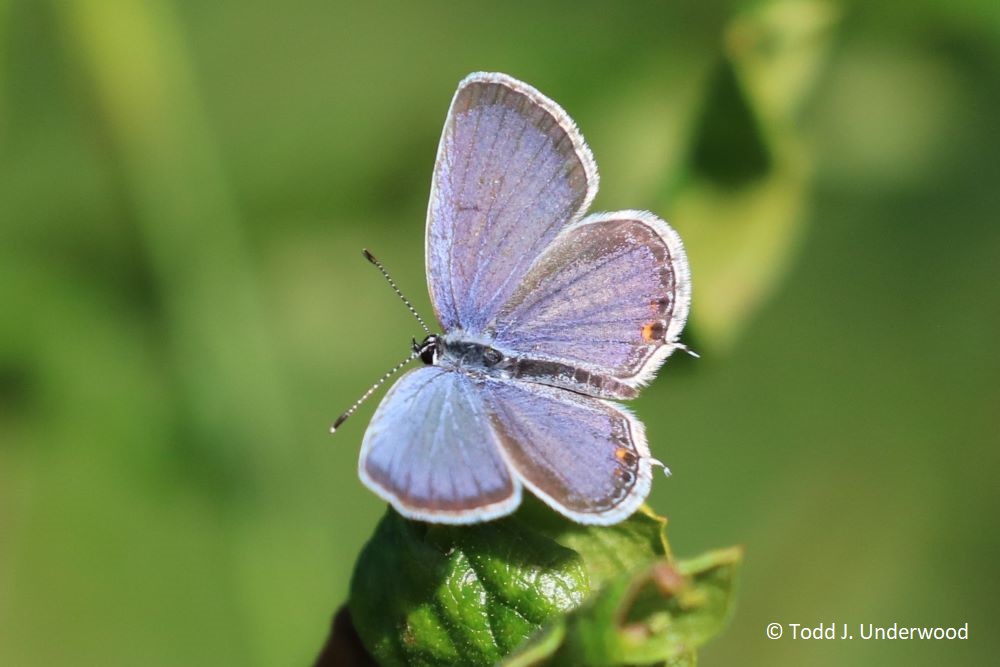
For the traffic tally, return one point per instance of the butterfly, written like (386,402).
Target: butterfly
(548,314)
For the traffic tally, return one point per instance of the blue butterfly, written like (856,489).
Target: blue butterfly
(547,314)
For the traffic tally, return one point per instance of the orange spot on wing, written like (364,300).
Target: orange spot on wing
(652,331)
(625,456)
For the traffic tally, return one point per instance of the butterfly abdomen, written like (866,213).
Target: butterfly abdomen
(574,378)
(473,356)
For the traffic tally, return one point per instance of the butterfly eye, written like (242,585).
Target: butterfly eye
(428,349)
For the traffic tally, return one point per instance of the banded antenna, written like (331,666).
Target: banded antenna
(371,390)
(392,283)
(416,352)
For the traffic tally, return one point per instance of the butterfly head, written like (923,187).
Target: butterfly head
(429,349)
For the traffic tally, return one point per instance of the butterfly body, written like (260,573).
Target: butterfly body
(462,352)
(548,316)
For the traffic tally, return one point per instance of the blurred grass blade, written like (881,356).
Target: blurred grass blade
(741,201)
(4,51)
(230,398)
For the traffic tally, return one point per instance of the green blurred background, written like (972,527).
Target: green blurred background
(185,189)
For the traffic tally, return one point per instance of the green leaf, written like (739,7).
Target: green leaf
(437,595)
(607,551)
(556,591)
(729,148)
(741,200)
(660,614)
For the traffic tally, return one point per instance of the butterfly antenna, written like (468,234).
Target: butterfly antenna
(392,283)
(371,390)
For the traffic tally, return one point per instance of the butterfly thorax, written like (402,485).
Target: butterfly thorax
(458,350)
(461,351)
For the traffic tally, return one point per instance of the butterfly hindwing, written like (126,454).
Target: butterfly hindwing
(587,458)
(431,450)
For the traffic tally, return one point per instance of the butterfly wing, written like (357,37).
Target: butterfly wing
(512,171)
(602,308)
(585,457)
(431,450)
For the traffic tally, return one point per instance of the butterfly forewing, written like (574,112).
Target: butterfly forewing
(608,299)
(512,171)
